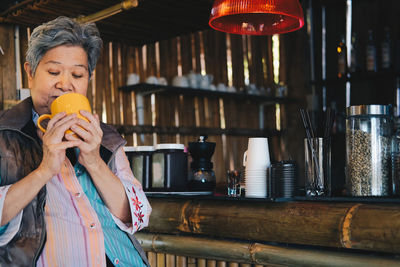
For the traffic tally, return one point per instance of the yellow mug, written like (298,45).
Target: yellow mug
(69,103)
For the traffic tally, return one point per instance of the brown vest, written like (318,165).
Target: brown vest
(20,154)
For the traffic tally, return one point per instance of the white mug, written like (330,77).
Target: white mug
(162,81)
(257,155)
(231,89)
(132,79)
(206,81)
(152,80)
(213,87)
(194,79)
(180,81)
(221,87)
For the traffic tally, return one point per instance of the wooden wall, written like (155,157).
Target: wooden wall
(205,52)
(208,52)
(7,67)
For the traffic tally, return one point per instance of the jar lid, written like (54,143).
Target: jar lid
(170,146)
(369,110)
(138,148)
(284,163)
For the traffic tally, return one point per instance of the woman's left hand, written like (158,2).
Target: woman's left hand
(90,135)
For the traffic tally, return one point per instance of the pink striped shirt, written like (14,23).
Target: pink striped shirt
(74,233)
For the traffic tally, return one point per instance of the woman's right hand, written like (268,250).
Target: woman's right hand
(54,144)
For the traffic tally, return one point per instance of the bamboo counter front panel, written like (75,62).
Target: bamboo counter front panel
(365,226)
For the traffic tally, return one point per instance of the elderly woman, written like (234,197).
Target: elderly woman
(65,200)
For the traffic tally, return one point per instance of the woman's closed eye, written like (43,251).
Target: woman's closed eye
(77,76)
(54,73)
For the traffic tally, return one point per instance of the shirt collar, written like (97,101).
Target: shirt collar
(35,117)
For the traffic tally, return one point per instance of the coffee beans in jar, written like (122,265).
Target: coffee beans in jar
(368,171)
(368,131)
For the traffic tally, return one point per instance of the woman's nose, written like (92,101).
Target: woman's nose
(64,83)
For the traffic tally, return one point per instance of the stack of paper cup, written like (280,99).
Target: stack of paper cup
(256,161)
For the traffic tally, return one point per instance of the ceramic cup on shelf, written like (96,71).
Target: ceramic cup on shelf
(152,80)
(180,81)
(132,79)
(252,89)
(221,87)
(206,81)
(194,79)
(231,89)
(162,81)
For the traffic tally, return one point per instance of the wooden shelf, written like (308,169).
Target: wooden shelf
(145,88)
(148,129)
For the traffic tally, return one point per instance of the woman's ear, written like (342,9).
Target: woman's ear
(28,71)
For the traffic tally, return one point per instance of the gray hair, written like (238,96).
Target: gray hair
(64,31)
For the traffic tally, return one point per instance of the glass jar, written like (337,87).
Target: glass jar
(395,149)
(368,138)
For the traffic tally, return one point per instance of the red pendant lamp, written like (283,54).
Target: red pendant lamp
(256,17)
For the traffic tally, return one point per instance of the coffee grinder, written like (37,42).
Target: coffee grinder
(202,176)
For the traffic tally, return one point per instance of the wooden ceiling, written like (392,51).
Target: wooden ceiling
(151,21)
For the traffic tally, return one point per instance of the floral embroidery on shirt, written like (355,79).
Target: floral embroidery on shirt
(138,205)
(136,202)
(140,216)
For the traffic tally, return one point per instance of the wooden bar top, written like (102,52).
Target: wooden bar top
(339,224)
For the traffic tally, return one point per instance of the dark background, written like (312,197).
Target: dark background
(366,87)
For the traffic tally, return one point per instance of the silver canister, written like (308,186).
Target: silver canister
(368,135)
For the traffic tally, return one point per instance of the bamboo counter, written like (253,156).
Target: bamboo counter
(348,225)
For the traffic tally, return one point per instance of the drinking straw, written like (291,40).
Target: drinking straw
(310,124)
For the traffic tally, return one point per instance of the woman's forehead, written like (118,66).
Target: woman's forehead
(66,55)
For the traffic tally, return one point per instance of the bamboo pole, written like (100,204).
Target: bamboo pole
(160,260)
(211,263)
(180,261)
(201,262)
(191,262)
(170,260)
(371,227)
(115,9)
(256,253)
(152,257)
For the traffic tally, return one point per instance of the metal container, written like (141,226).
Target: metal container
(283,175)
(368,135)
